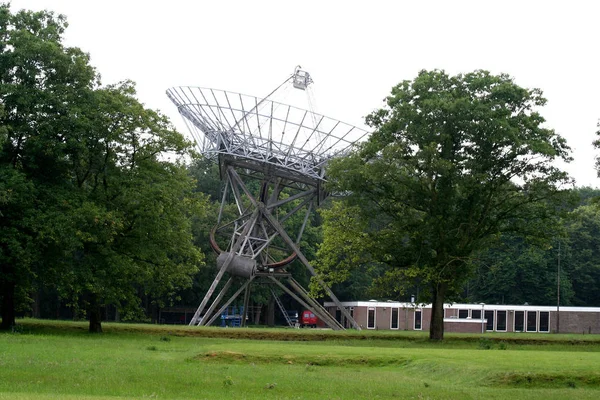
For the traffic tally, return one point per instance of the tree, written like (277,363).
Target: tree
(453,162)
(38,79)
(94,179)
(16,245)
(129,215)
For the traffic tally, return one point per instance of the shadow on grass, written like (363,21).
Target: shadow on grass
(530,380)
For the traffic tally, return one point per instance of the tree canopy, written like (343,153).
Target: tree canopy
(95,197)
(453,162)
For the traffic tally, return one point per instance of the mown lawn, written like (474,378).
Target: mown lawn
(49,360)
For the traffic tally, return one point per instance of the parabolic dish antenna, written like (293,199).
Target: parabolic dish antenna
(286,149)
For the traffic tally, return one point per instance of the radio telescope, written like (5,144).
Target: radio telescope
(272,158)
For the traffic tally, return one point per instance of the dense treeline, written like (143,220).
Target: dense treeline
(518,271)
(105,210)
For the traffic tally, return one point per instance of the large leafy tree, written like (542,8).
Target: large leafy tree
(38,79)
(132,209)
(97,202)
(453,161)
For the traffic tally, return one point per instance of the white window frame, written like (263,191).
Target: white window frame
(493,322)
(397,311)
(539,320)
(464,309)
(374,309)
(420,311)
(515,320)
(505,321)
(527,320)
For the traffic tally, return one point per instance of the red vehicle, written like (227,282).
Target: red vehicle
(309,319)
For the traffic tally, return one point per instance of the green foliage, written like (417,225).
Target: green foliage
(343,250)
(91,176)
(485,344)
(453,162)
(128,214)
(517,271)
(582,254)
(39,78)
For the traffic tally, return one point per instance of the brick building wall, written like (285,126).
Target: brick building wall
(576,322)
(467,318)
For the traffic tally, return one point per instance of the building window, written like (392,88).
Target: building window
(501,321)
(476,314)
(371,318)
(463,313)
(418,320)
(489,315)
(394,321)
(531,321)
(544,321)
(519,321)
(338,315)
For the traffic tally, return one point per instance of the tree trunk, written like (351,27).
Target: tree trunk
(271,312)
(258,310)
(36,312)
(154,311)
(7,308)
(95,314)
(436,328)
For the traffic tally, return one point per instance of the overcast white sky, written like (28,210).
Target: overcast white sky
(355,50)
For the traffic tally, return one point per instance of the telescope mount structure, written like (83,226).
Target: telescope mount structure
(272,158)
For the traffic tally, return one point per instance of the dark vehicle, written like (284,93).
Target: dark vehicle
(308,319)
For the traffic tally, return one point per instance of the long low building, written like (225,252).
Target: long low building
(471,318)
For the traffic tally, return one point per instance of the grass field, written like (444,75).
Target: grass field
(52,360)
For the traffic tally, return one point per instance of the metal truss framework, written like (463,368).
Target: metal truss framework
(263,132)
(283,148)
(253,233)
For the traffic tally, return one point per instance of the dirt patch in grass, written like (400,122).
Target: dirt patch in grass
(524,380)
(320,360)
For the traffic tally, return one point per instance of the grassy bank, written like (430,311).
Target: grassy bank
(52,360)
(288,334)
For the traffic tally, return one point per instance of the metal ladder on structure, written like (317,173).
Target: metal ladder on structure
(283,311)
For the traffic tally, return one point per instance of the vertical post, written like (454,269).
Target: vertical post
(482,317)
(246,303)
(558,292)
